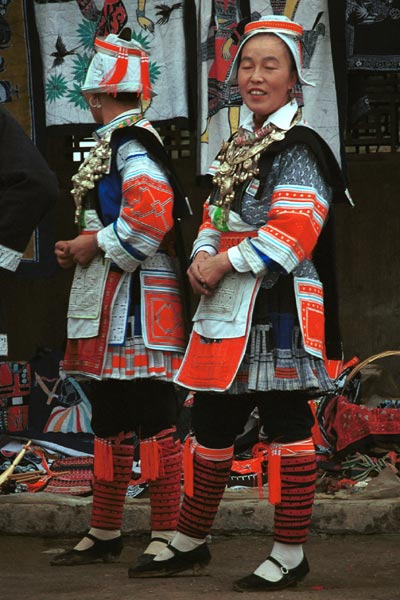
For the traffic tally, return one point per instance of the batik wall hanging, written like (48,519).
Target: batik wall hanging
(16,63)
(220,24)
(66,31)
(373,34)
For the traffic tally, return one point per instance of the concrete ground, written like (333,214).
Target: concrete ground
(353,550)
(343,567)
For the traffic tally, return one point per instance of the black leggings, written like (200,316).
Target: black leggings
(145,406)
(217,419)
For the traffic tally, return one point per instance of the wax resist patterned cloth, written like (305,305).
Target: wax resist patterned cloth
(373,29)
(66,32)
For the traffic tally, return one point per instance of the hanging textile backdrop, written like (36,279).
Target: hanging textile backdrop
(220,24)
(372,41)
(66,31)
(15,67)
(373,34)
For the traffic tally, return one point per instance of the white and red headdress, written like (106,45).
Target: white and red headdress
(118,66)
(286,29)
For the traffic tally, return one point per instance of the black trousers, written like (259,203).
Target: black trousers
(217,419)
(145,406)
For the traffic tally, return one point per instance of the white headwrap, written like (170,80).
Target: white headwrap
(286,29)
(118,66)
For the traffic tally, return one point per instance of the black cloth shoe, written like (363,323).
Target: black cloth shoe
(193,561)
(147,557)
(106,551)
(254,583)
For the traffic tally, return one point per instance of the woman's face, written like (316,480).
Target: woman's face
(265,75)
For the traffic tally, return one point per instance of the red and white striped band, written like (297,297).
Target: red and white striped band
(275,26)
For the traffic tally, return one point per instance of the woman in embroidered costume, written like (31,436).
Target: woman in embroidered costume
(258,334)
(125,323)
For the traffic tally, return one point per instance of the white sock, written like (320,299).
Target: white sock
(155,546)
(181,542)
(289,555)
(100,534)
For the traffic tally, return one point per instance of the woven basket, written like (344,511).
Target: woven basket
(369,360)
(349,427)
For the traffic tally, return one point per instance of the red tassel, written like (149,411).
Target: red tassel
(260,451)
(103,467)
(145,76)
(149,459)
(274,475)
(333,367)
(188,455)
(118,72)
(38,485)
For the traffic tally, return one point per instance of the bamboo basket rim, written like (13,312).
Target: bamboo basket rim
(366,362)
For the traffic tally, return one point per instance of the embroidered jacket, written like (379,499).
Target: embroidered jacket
(280,227)
(133,214)
(137,222)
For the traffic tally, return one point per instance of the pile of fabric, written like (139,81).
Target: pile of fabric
(39,401)
(359,443)
(46,440)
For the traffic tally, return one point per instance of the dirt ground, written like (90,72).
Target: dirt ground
(351,567)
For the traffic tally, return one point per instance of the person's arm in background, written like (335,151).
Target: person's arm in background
(28,189)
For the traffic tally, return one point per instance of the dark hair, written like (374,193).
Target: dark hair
(127,97)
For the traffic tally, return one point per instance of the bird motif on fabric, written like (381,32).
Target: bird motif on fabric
(61,52)
(164,12)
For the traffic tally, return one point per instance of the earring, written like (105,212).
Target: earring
(92,104)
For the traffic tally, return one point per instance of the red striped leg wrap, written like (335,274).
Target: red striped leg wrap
(210,471)
(293,512)
(165,491)
(109,496)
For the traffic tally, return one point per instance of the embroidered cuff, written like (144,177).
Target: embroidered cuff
(108,242)
(210,249)
(238,262)
(101,240)
(9,259)
(205,244)
(256,264)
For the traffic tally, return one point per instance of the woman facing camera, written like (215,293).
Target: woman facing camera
(260,263)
